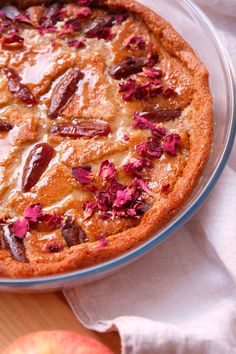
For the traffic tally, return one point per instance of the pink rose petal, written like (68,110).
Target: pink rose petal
(168,92)
(141,122)
(136,166)
(165,188)
(20,227)
(77,43)
(171,143)
(134,42)
(33,212)
(83,174)
(107,170)
(52,220)
(102,240)
(151,73)
(90,208)
(129,87)
(123,197)
(84,11)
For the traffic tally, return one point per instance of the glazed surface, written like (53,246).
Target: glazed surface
(42,63)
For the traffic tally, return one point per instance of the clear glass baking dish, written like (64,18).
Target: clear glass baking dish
(195,27)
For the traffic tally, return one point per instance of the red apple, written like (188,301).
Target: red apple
(56,342)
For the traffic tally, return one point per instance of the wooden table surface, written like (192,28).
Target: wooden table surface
(24,313)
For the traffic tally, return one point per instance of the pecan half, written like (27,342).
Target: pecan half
(4,126)
(64,91)
(18,89)
(127,67)
(81,129)
(72,232)
(35,165)
(12,42)
(14,244)
(161,114)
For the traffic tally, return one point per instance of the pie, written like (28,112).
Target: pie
(105,126)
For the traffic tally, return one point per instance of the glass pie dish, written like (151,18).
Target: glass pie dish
(189,21)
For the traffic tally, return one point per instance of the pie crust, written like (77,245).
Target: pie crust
(171,179)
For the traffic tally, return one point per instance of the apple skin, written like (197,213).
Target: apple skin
(59,342)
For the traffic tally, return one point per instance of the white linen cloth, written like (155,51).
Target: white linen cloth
(181,297)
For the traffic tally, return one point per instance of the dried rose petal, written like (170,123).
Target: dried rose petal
(102,33)
(52,220)
(134,42)
(100,28)
(129,87)
(79,130)
(150,148)
(165,188)
(20,227)
(102,240)
(158,132)
(151,73)
(136,166)
(2,15)
(64,91)
(105,215)
(151,59)
(71,25)
(83,174)
(168,92)
(13,42)
(90,208)
(123,197)
(14,14)
(18,89)
(104,201)
(138,184)
(35,165)
(77,43)
(72,232)
(91,189)
(120,17)
(127,67)
(84,2)
(84,12)
(51,16)
(33,212)
(4,126)
(161,114)
(148,89)
(141,122)
(43,30)
(171,143)
(126,137)
(107,170)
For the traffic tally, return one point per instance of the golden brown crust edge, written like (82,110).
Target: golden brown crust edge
(89,254)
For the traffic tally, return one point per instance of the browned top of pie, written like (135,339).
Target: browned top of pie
(105,126)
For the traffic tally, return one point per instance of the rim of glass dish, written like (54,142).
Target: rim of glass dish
(179,221)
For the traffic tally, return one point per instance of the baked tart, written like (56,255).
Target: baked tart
(105,127)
